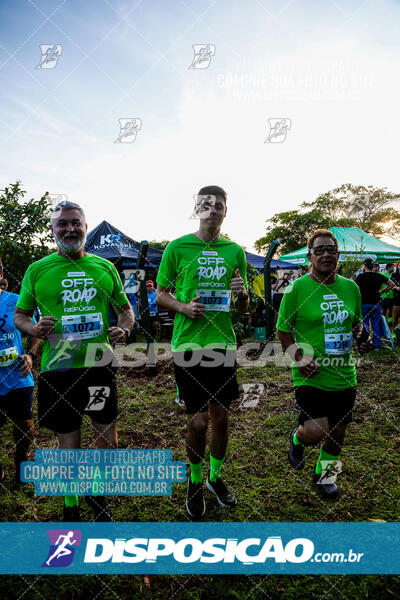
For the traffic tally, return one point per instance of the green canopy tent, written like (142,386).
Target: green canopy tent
(353,243)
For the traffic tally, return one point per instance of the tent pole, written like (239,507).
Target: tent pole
(146,324)
(269,322)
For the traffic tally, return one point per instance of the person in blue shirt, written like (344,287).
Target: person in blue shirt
(16,381)
(153,308)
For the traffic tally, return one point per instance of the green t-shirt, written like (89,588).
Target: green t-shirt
(322,317)
(205,269)
(388,294)
(78,293)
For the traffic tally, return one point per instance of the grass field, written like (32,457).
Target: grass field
(256,468)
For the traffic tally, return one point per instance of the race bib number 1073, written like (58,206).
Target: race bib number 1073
(218,300)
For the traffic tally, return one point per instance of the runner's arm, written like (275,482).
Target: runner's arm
(119,334)
(126,316)
(306,365)
(192,309)
(239,291)
(289,345)
(23,321)
(389,286)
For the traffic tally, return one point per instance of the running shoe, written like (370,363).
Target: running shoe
(102,511)
(71,514)
(224,496)
(195,504)
(329,490)
(296,453)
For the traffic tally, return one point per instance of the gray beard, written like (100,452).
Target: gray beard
(70,248)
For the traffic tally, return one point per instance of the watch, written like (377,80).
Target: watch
(127,332)
(32,354)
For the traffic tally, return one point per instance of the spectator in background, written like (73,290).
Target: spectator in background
(278,293)
(152,302)
(387,297)
(3,284)
(376,268)
(134,304)
(395,278)
(369,284)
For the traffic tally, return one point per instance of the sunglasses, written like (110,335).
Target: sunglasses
(319,250)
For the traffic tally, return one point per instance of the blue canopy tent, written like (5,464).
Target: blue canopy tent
(258,262)
(107,241)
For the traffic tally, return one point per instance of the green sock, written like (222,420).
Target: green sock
(71,500)
(295,440)
(215,468)
(195,472)
(324,456)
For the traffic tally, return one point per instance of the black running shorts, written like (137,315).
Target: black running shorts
(204,377)
(65,396)
(313,403)
(16,405)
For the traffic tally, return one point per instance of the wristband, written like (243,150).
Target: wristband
(32,354)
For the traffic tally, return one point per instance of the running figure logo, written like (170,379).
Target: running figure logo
(61,552)
(128,130)
(278,129)
(98,397)
(251,394)
(50,55)
(57,199)
(330,471)
(203,54)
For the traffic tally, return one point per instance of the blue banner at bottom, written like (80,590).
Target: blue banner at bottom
(202,548)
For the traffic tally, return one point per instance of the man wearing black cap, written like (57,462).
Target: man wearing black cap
(370,284)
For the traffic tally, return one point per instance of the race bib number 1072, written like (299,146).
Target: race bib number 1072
(81,327)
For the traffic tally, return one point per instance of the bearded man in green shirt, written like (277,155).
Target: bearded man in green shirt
(319,318)
(208,272)
(73,291)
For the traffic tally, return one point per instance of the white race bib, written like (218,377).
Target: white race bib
(82,327)
(8,356)
(218,300)
(338,343)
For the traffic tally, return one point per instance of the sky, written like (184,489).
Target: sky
(327,70)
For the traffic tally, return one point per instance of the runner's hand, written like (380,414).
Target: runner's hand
(117,335)
(237,284)
(44,327)
(26,366)
(364,347)
(363,340)
(194,309)
(307,365)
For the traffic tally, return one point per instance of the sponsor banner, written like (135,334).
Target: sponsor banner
(203,548)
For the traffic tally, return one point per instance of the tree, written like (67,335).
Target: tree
(24,232)
(159,245)
(369,208)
